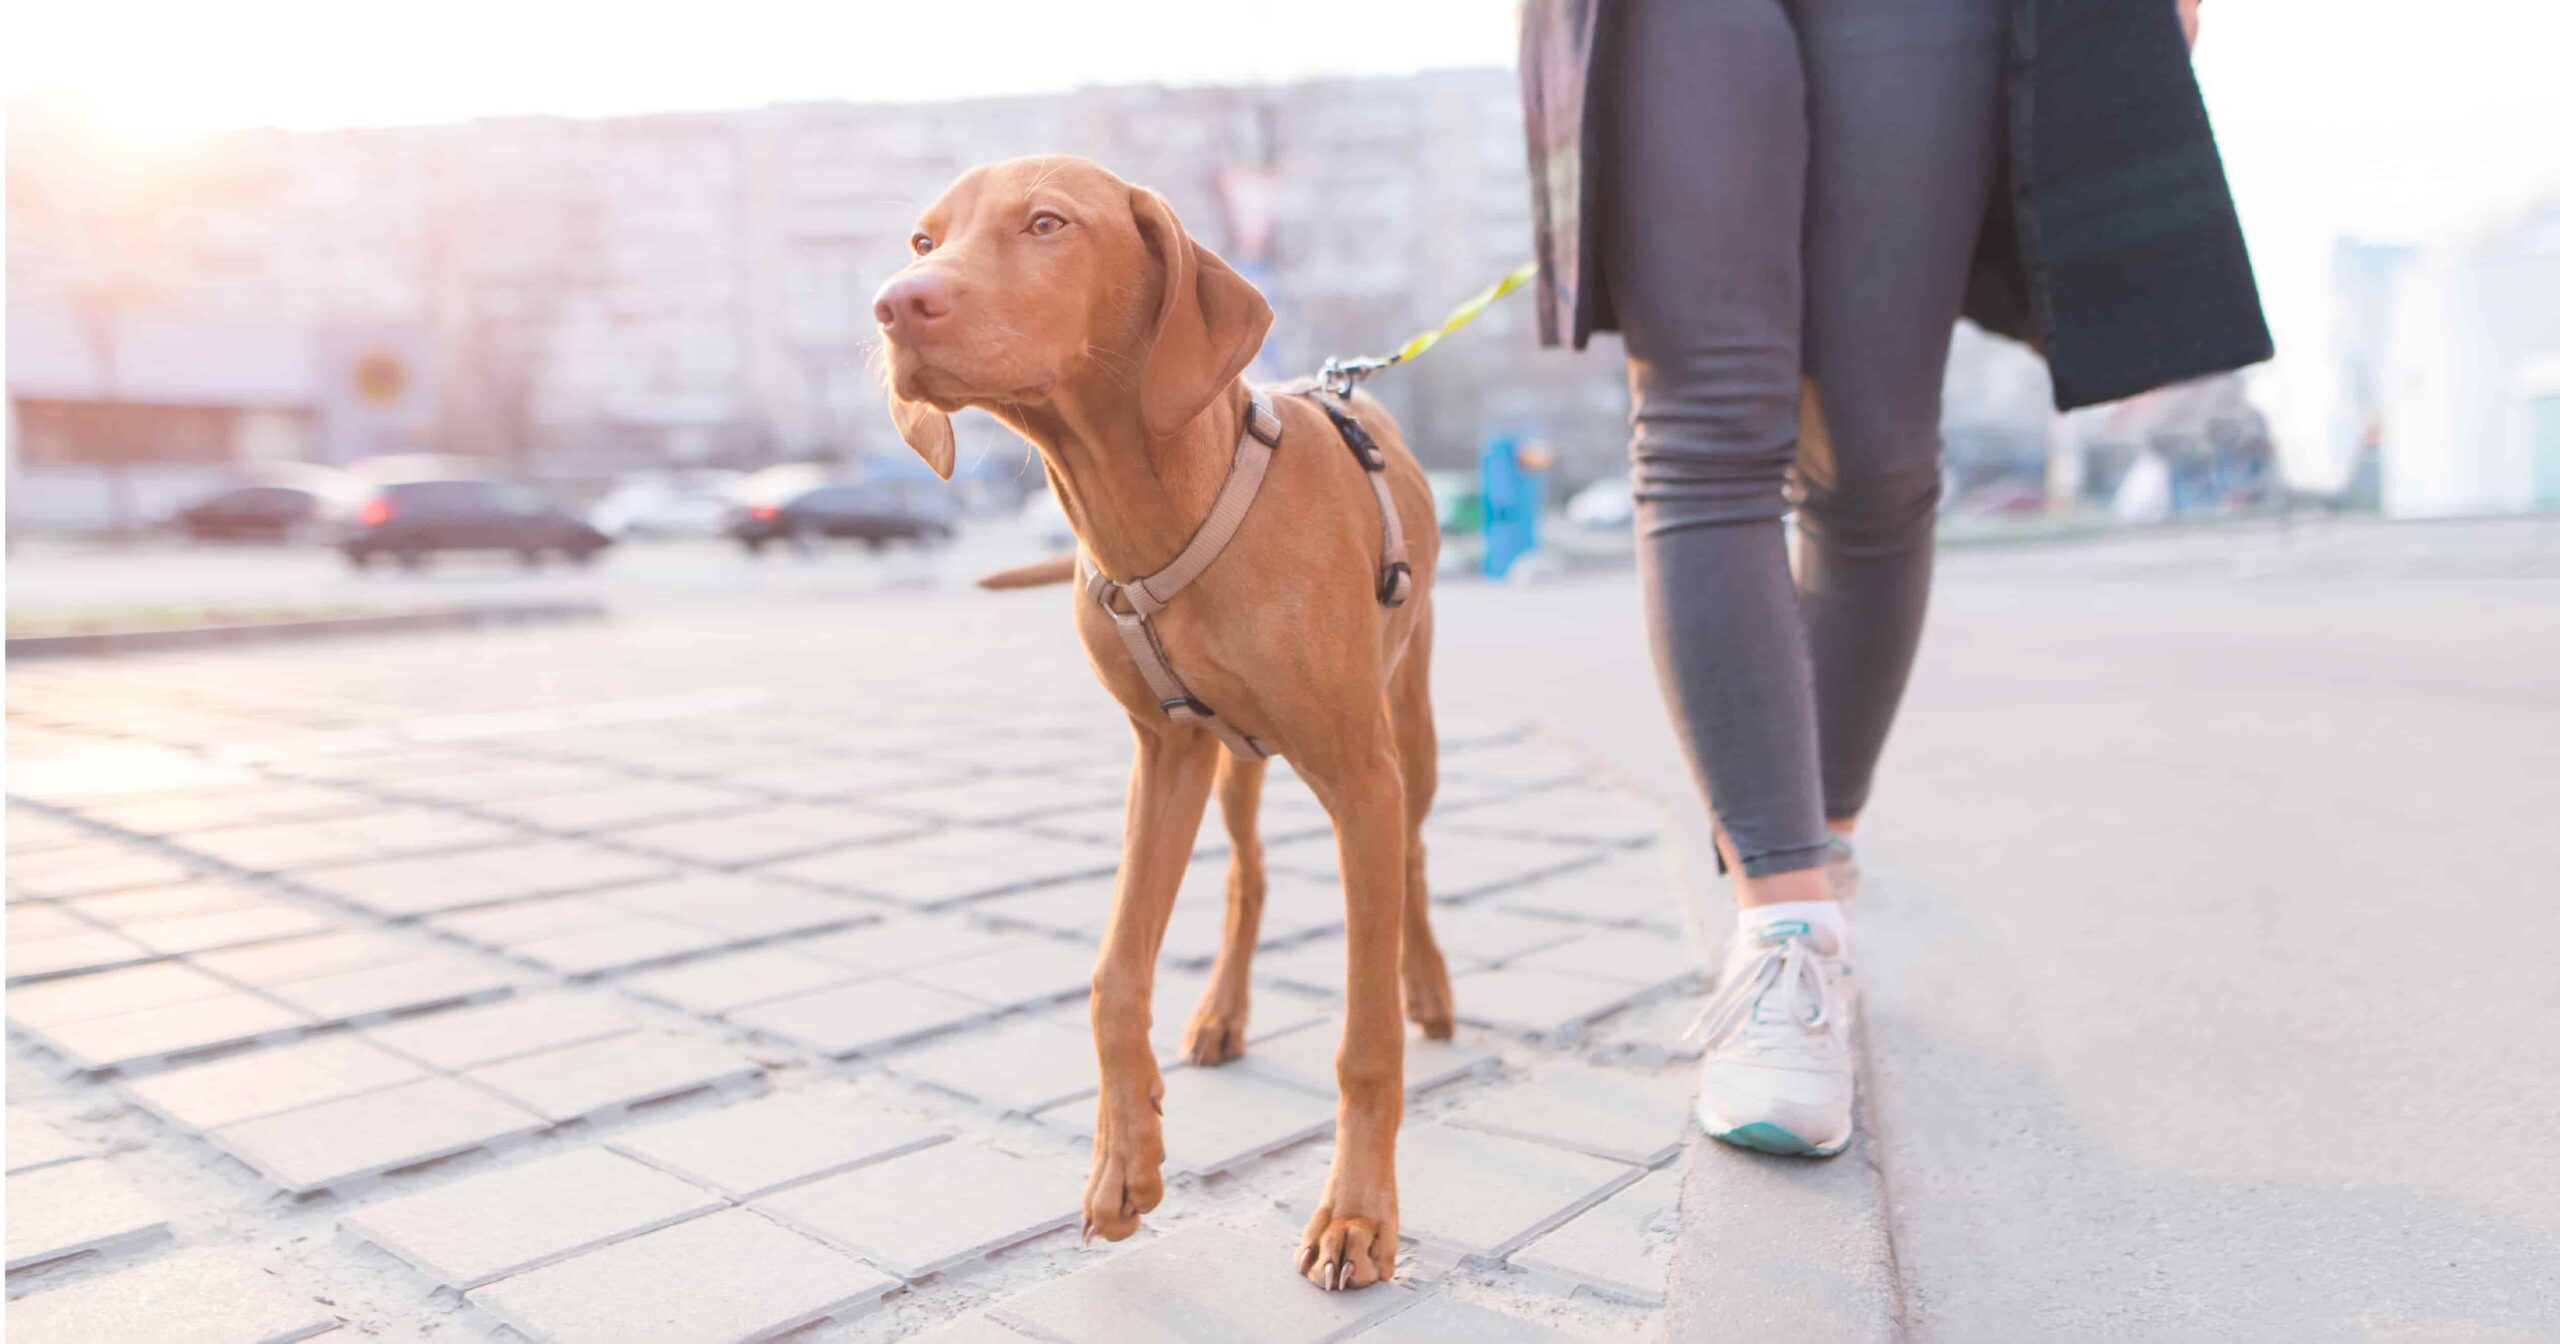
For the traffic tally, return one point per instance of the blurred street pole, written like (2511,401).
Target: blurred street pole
(2064,466)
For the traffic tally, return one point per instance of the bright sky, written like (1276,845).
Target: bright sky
(158,66)
(2383,119)
(2402,115)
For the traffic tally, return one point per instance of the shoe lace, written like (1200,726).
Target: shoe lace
(1786,976)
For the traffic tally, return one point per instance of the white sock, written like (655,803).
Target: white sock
(1824,915)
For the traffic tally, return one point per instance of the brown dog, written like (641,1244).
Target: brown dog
(1074,308)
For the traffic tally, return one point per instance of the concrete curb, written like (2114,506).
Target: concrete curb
(1786,1247)
(112,642)
(1765,1247)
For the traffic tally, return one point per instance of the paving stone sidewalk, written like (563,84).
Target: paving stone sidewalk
(384,990)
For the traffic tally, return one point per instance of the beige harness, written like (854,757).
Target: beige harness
(1145,597)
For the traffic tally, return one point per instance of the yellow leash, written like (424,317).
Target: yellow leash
(1339,376)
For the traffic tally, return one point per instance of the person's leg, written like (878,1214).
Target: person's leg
(1906,134)
(1702,246)
(1863,103)
(1706,164)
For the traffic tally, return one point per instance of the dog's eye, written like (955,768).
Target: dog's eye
(922,243)
(1047,222)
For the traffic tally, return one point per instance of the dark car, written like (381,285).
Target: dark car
(874,513)
(260,513)
(412,520)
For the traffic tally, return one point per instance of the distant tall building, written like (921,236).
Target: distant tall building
(2470,420)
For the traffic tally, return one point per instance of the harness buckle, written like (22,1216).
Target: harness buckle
(1356,438)
(1262,422)
(1394,584)
(1188,704)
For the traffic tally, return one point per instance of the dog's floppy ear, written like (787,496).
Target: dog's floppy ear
(926,430)
(1208,327)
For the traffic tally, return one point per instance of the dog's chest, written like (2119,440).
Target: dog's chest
(1225,668)
(1177,636)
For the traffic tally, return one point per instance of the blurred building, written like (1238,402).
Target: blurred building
(2470,422)
(579,298)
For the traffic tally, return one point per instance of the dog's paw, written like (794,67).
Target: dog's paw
(1337,1253)
(1213,1038)
(1428,1002)
(1128,1171)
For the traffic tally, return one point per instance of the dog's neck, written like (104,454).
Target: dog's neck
(1133,499)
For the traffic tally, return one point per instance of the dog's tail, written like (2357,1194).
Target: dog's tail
(1055,569)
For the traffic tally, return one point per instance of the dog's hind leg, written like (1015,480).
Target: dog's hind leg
(1168,789)
(1427,1001)
(1216,1031)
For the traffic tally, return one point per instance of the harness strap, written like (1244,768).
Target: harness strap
(1146,596)
(1130,604)
(1395,572)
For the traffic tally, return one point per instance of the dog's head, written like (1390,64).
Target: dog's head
(1044,278)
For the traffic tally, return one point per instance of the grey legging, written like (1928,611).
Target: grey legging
(1796,189)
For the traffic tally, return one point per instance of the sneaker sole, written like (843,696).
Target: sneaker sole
(1762,1137)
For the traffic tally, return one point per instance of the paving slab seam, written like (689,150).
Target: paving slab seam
(70,1271)
(628,1148)
(1567,1285)
(172,848)
(949,904)
(607,974)
(729,1090)
(367,1181)
(385,1016)
(158,1062)
(483,812)
(147,958)
(1513,1245)
(282,882)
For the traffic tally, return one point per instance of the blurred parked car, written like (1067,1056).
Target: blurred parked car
(801,513)
(277,513)
(412,520)
(694,507)
(1609,502)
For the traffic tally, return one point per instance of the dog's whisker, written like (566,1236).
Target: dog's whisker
(1121,367)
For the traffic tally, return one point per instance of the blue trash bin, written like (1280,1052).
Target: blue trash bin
(1513,496)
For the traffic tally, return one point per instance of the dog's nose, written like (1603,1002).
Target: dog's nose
(909,302)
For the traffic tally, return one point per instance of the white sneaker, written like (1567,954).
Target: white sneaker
(1779,1075)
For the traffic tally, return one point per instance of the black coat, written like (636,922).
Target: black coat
(2112,247)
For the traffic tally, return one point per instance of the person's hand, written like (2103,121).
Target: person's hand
(2187,19)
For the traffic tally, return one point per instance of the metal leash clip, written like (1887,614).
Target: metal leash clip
(1338,376)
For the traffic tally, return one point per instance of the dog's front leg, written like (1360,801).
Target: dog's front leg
(1351,1241)
(1168,790)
